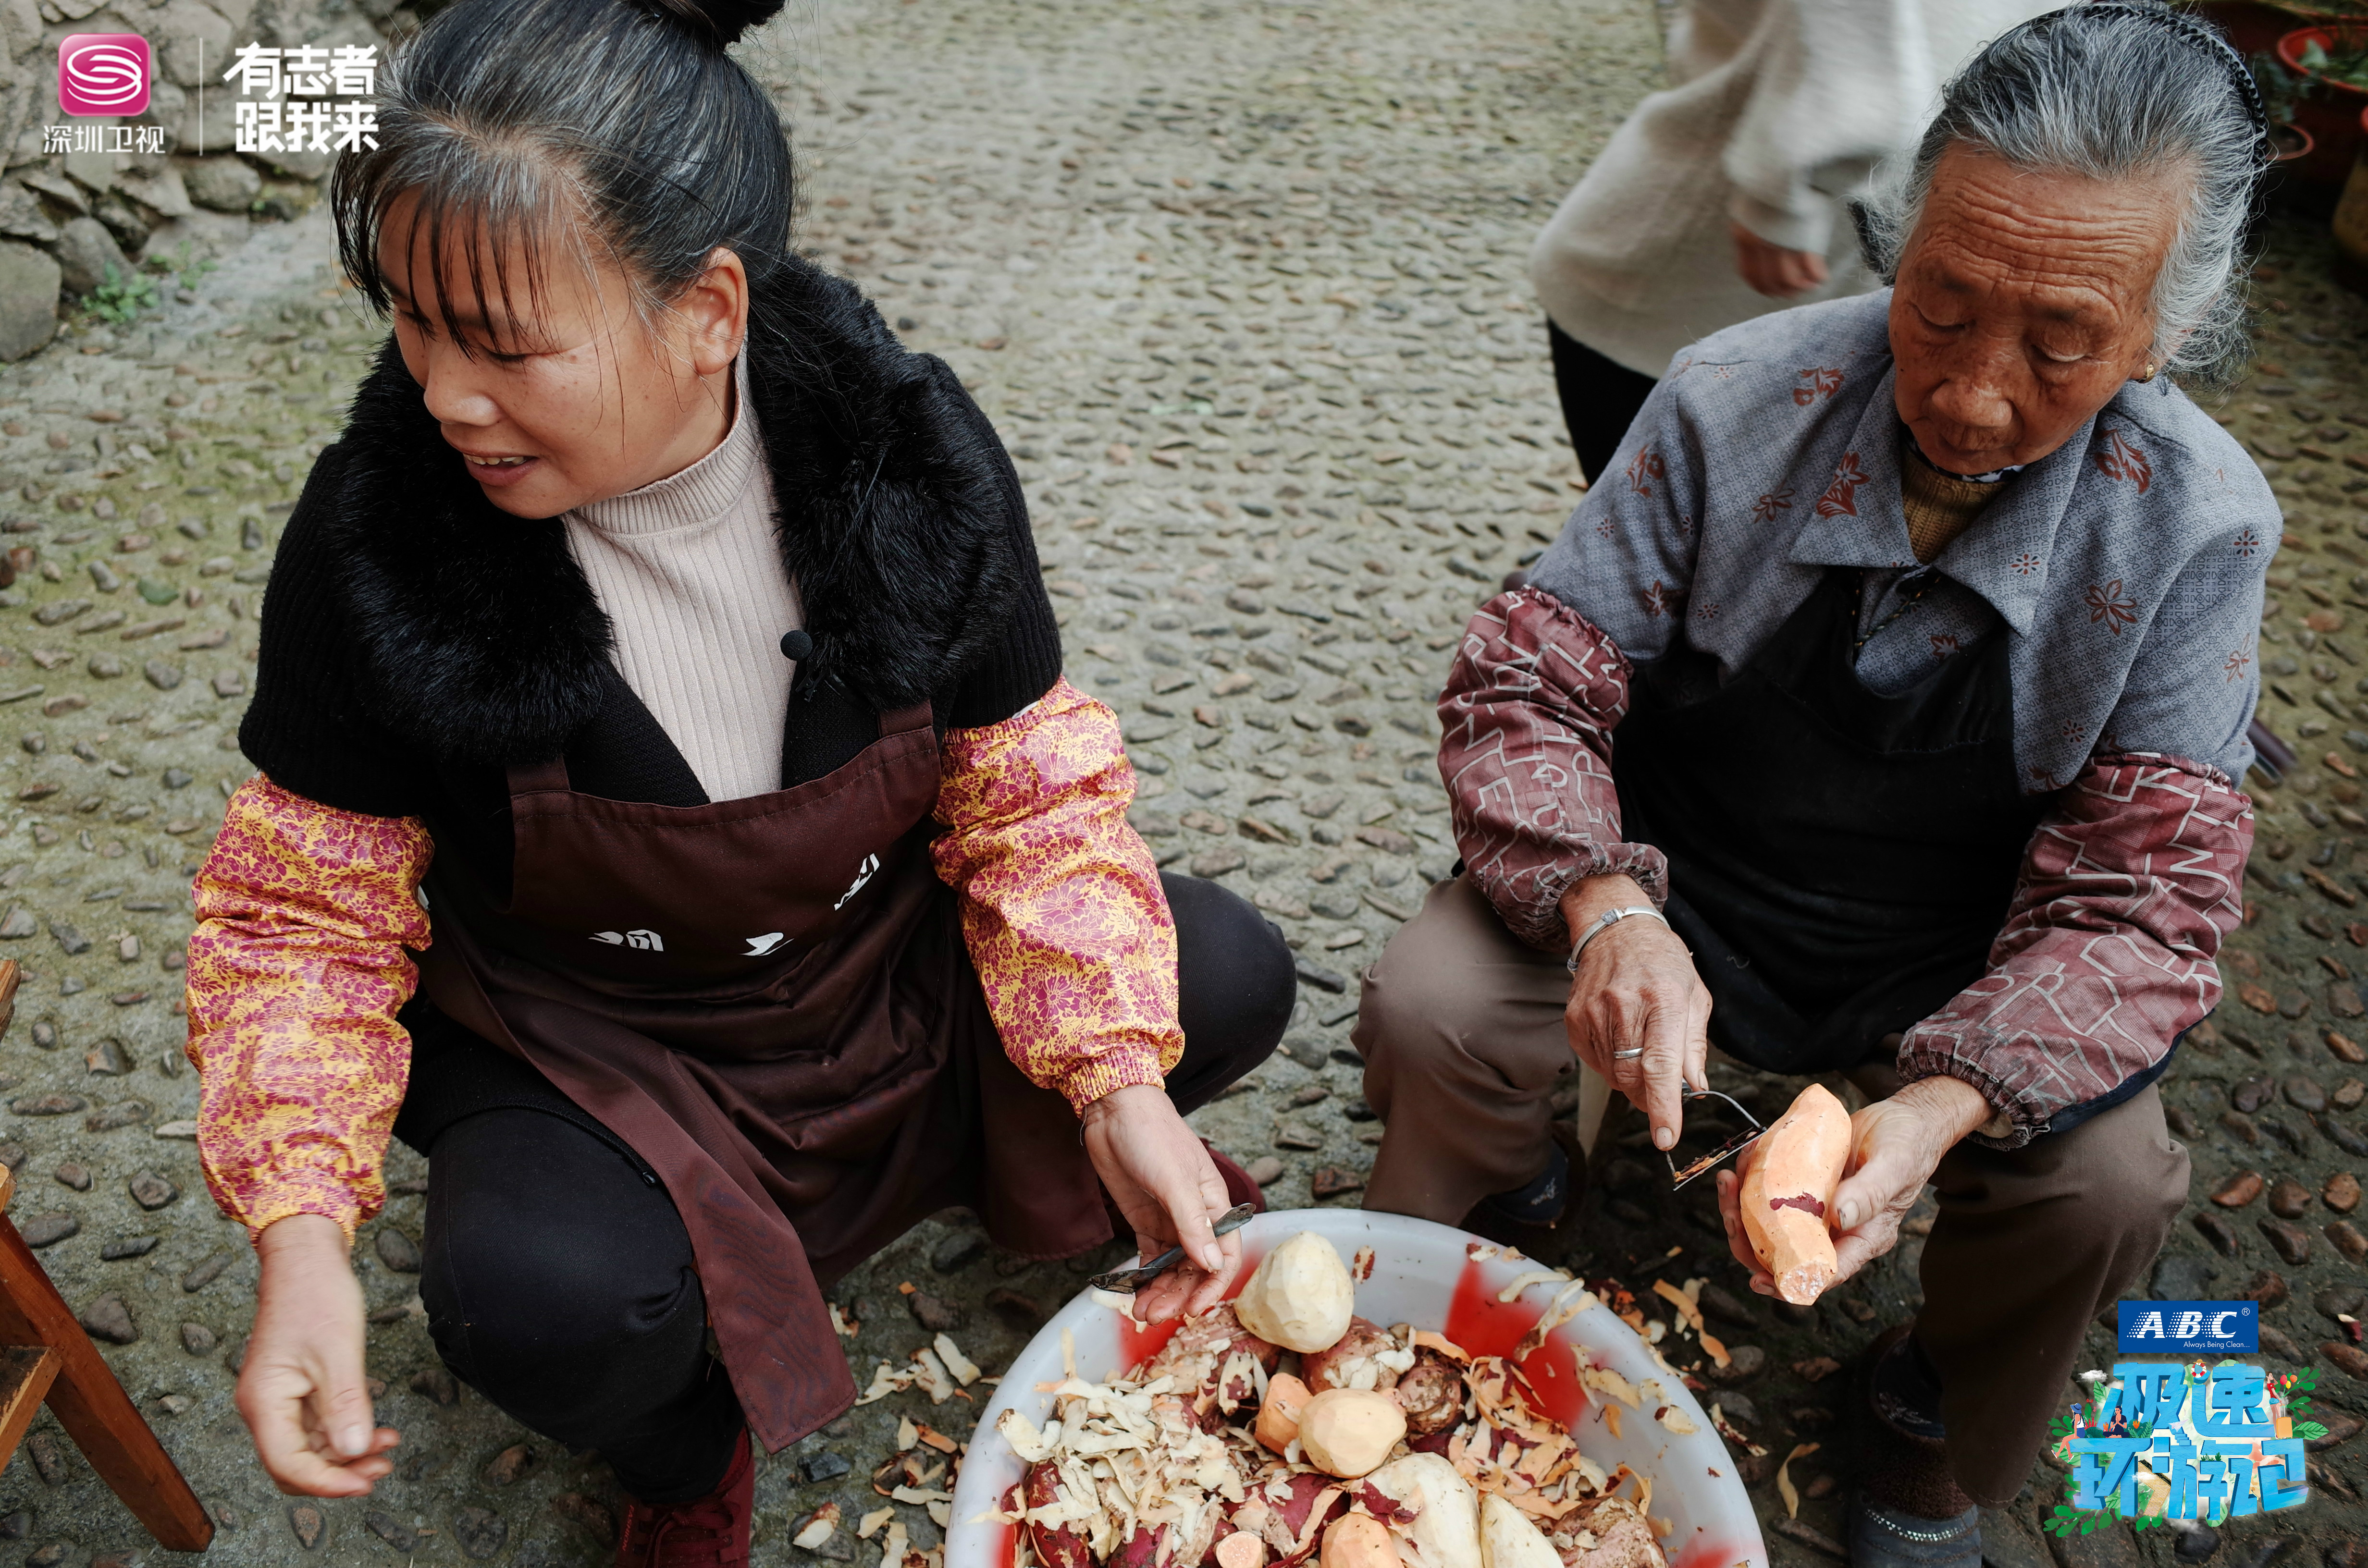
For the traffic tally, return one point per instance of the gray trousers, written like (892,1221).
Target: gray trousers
(1461,1025)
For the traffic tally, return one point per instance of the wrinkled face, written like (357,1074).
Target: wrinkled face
(563,395)
(2023,304)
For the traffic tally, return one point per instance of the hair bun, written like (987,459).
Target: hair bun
(722,20)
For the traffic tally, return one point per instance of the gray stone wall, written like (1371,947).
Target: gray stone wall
(66,217)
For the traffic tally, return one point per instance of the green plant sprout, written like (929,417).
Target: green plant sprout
(185,268)
(121,300)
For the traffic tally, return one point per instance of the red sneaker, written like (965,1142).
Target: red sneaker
(706,1532)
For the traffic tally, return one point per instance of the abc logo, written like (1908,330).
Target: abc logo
(104,74)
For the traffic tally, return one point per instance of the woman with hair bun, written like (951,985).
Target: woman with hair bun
(672,821)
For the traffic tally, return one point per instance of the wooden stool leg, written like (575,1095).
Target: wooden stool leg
(92,1406)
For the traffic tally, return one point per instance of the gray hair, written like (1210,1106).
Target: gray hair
(2112,91)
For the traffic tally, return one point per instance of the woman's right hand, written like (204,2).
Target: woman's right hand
(302,1391)
(1637,992)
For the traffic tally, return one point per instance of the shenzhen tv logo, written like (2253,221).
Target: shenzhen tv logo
(104,74)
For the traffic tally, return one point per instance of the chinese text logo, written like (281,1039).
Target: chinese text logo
(104,74)
(304,76)
(2168,1439)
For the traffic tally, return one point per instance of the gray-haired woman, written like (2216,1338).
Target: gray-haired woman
(1927,623)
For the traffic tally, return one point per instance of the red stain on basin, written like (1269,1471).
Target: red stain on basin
(1486,1326)
(1137,1343)
(1712,1552)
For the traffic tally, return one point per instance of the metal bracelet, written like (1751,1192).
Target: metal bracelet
(1604,922)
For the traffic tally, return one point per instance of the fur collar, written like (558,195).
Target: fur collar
(478,634)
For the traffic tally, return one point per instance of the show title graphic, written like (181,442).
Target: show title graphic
(303,97)
(2201,1440)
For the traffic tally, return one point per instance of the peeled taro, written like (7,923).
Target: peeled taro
(1363,1357)
(1445,1529)
(1431,1393)
(1347,1432)
(1056,1546)
(1508,1539)
(1300,1297)
(1359,1541)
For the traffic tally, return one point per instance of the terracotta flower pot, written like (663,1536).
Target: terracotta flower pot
(2350,222)
(2329,111)
(2294,146)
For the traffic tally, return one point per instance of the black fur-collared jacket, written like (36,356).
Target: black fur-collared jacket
(417,639)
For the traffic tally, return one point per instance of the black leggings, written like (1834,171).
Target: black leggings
(560,1284)
(1600,399)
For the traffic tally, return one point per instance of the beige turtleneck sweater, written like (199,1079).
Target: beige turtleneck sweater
(691,575)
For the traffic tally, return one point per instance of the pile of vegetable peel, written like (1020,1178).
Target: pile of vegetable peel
(1383,1448)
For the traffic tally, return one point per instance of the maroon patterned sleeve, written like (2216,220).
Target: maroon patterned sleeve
(2107,956)
(1528,710)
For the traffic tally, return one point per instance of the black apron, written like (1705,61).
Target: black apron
(769,1001)
(1840,861)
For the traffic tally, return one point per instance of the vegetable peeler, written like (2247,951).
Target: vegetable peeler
(1127,1281)
(1734,1145)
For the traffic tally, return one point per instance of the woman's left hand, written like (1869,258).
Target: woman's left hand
(1895,1145)
(1169,1189)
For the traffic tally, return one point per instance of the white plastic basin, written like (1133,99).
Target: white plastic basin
(1422,1274)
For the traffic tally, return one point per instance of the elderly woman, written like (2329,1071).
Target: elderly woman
(1926,622)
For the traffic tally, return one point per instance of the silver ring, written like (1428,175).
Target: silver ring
(1628,1055)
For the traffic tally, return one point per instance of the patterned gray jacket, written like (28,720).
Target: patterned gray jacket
(2125,569)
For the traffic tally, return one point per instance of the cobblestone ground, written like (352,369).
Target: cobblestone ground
(1242,285)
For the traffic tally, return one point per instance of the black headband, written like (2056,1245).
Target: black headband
(2204,36)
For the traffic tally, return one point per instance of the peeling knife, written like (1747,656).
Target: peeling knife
(1126,1281)
(1705,1163)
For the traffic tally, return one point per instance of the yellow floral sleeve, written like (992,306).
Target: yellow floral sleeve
(296,970)
(1061,907)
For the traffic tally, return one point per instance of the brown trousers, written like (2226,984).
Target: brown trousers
(1460,1026)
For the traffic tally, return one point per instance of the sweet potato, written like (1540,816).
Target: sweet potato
(1445,1529)
(1241,1550)
(1786,1197)
(1357,1541)
(1295,1526)
(1056,1546)
(1278,1418)
(1347,1432)
(1508,1539)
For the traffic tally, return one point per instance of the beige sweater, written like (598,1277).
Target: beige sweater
(1777,113)
(691,575)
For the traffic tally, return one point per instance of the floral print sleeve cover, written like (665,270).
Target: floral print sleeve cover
(1529,709)
(1062,908)
(2126,890)
(296,970)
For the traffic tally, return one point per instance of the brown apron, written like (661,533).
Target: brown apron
(769,1001)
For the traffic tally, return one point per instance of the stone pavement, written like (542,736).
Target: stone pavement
(1242,285)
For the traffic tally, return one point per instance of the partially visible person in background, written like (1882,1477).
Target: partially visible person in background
(1727,194)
